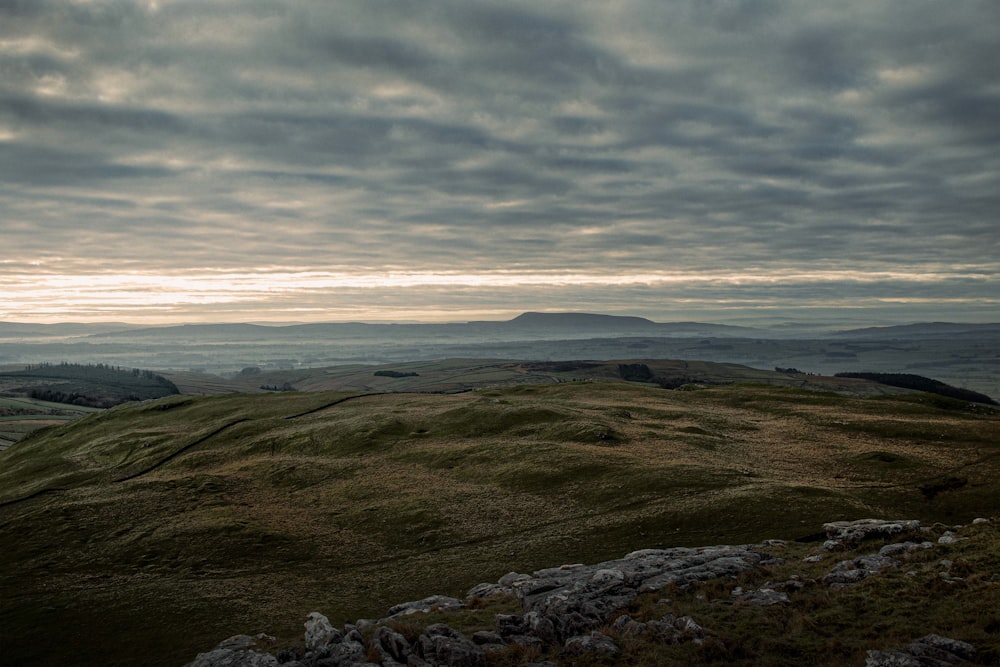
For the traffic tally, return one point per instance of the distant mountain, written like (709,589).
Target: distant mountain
(241,332)
(183,332)
(621,324)
(922,330)
(530,325)
(578,320)
(31,330)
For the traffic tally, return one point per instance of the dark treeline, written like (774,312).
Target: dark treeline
(93,385)
(75,397)
(95,372)
(921,383)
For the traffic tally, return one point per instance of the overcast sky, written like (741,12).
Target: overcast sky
(282,160)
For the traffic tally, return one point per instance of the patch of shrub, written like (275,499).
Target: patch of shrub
(921,383)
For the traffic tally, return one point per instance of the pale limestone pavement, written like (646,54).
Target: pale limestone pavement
(565,608)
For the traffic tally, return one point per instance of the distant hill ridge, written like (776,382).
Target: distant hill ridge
(533,322)
(921,330)
(578,319)
(530,322)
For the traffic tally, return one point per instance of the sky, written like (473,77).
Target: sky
(166,161)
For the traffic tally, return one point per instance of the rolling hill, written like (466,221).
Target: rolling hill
(156,529)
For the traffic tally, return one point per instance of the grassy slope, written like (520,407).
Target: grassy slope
(20,416)
(445,375)
(276,506)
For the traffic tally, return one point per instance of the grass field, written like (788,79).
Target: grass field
(455,375)
(159,529)
(21,415)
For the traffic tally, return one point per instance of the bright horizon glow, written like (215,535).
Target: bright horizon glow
(313,296)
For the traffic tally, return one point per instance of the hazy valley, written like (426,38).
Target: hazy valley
(965,355)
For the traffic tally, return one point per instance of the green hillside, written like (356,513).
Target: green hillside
(159,529)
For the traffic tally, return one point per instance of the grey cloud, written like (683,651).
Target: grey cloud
(823,58)
(692,134)
(34,165)
(87,117)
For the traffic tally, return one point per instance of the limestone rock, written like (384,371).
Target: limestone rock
(319,632)
(487,591)
(441,645)
(568,607)
(763,597)
(541,627)
(391,646)
(928,651)
(890,659)
(595,642)
(347,652)
(866,529)
(903,548)
(484,637)
(848,572)
(432,603)
(676,629)
(626,626)
(574,600)
(508,625)
(236,651)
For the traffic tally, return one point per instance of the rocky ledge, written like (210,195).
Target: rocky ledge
(565,609)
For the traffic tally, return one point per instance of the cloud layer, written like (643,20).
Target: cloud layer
(177,141)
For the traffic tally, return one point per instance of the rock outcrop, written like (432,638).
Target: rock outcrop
(568,611)
(237,651)
(928,651)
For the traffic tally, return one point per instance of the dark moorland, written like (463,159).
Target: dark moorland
(151,531)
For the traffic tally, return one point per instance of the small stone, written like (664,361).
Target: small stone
(980,520)
(765,597)
(903,547)
(890,659)
(595,642)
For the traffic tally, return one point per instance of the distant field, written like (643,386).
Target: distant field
(21,416)
(158,529)
(456,375)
